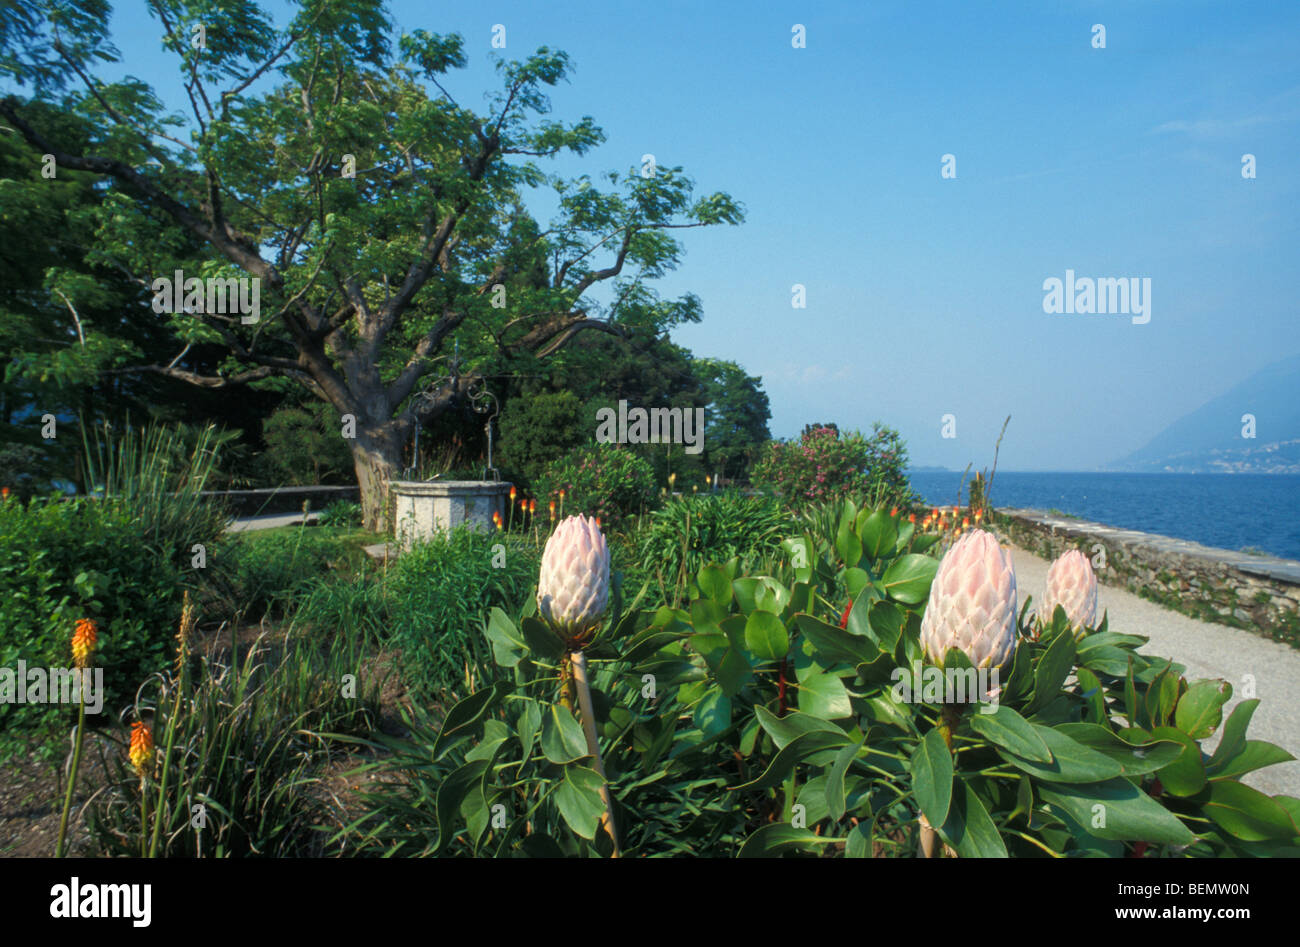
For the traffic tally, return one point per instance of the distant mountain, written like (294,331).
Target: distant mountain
(1209,440)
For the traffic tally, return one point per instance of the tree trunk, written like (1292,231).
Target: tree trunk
(377,458)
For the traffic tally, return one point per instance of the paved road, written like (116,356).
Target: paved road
(270,521)
(1208,651)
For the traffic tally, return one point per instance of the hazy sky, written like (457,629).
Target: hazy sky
(925,295)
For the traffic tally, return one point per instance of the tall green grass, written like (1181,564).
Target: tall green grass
(159,473)
(245,768)
(430,605)
(690,532)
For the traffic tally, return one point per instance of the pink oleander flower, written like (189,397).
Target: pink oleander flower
(573,588)
(972,604)
(1072,584)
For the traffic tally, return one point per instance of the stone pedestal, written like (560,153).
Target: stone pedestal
(422,508)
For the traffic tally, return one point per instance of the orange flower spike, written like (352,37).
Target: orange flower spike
(911,517)
(512,494)
(894,511)
(140,752)
(83,641)
(552,509)
(532,507)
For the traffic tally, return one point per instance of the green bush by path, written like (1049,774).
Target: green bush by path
(123,559)
(429,604)
(825,464)
(262,573)
(601,480)
(60,561)
(690,532)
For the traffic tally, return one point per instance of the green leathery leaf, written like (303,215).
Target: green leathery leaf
(766,637)
(1185,774)
(562,738)
(714,583)
(578,798)
(1247,813)
(823,695)
(1012,732)
(908,578)
(1072,762)
(778,837)
(1127,813)
(969,827)
(1200,710)
(879,533)
(1137,759)
(931,766)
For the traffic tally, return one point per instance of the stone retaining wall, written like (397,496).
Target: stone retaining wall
(1258,593)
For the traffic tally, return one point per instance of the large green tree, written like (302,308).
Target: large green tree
(385,220)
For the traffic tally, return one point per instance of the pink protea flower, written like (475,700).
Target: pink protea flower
(573,588)
(972,603)
(1072,584)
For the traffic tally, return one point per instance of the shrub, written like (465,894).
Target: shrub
(261,572)
(825,465)
(691,531)
(775,702)
(538,429)
(123,559)
(341,513)
(303,446)
(601,480)
(430,605)
(438,592)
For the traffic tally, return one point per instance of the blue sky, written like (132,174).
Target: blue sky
(924,295)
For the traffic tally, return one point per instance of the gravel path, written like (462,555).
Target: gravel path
(1208,651)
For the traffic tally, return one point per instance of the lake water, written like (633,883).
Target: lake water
(1231,511)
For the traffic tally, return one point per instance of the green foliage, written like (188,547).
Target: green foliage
(122,559)
(738,412)
(602,480)
(263,572)
(60,561)
(826,465)
(438,592)
(304,445)
(538,429)
(428,604)
(689,532)
(343,79)
(341,513)
(796,726)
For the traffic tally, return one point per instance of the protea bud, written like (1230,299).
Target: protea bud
(972,603)
(1072,584)
(573,589)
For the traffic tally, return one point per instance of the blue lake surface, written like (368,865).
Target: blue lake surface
(1231,511)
